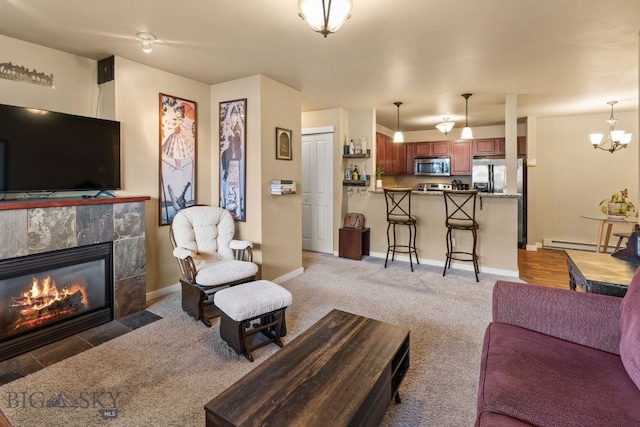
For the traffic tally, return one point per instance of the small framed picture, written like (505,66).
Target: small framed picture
(283,144)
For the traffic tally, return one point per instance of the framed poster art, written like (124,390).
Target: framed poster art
(233,159)
(283,144)
(178,138)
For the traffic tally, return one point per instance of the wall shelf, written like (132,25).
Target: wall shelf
(356,156)
(357,183)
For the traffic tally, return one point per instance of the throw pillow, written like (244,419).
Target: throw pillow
(630,330)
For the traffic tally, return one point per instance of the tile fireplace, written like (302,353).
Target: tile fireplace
(67,265)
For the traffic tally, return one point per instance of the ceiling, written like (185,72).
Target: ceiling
(559,57)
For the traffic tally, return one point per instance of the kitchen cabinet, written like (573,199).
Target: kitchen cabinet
(496,146)
(461,158)
(432,149)
(391,157)
(411,154)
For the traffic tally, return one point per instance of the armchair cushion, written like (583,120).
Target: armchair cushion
(225,271)
(183,253)
(630,330)
(206,230)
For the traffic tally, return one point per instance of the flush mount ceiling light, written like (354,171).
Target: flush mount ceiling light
(467,133)
(615,139)
(147,40)
(325,16)
(446,125)
(398,137)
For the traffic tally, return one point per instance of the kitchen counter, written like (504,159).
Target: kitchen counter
(439,194)
(497,215)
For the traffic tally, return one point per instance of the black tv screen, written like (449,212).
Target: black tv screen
(48,151)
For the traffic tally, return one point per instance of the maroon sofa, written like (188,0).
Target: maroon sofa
(554,357)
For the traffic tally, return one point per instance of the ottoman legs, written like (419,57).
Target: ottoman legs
(237,333)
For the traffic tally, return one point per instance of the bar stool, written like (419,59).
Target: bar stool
(460,208)
(399,213)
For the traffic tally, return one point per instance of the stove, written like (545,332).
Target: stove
(431,186)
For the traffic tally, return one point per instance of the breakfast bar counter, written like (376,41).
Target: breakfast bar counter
(497,215)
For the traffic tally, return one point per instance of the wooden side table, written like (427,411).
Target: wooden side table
(599,273)
(353,243)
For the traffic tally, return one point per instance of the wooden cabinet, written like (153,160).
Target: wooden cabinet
(496,146)
(391,157)
(461,158)
(432,149)
(411,154)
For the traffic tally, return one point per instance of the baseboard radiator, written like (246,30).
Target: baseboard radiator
(563,244)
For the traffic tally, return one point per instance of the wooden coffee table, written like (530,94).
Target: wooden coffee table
(344,370)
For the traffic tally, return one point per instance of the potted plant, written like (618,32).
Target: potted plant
(379,172)
(617,205)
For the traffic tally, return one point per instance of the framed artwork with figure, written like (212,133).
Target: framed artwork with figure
(283,144)
(233,160)
(178,136)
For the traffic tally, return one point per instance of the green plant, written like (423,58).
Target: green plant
(617,204)
(379,172)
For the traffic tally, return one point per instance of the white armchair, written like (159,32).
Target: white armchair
(209,257)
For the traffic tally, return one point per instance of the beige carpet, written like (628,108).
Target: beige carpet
(164,373)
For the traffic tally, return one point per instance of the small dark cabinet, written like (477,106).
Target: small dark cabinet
(353,243)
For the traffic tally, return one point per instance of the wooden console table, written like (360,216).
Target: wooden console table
(344,370)
(599,273)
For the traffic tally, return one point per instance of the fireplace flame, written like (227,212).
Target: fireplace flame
(45,293)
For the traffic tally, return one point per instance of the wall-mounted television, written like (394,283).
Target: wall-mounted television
(46,151)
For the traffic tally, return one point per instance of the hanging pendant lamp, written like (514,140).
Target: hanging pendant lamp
(615,139)
(467,133)
(325,16)
(398,137)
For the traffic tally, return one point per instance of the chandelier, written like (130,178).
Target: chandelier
(446,125)
(325,16)
(615,139)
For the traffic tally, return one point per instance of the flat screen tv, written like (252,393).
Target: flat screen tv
(45,151)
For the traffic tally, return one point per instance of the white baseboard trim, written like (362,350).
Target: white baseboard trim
(153,295)
(534,248)
(288,276)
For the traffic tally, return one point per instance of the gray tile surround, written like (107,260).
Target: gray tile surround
(38,230)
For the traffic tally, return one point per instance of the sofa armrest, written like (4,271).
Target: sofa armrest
(583,318)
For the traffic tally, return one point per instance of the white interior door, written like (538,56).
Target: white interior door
(317,195)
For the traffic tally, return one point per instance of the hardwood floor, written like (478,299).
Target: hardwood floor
(546,267)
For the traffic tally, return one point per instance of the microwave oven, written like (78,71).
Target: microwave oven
(432,166)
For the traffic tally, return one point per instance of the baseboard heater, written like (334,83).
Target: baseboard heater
(563,244)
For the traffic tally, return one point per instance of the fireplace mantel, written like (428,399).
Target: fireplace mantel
(31,226)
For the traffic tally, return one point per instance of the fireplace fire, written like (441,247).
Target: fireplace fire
(47,297)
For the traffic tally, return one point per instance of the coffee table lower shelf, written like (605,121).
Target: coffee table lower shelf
(343,371)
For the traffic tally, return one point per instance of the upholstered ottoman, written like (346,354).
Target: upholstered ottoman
(241,304)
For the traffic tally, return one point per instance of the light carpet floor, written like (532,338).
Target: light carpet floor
(164,373)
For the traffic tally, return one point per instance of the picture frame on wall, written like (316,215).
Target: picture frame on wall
(178,141)
(283,144)
(233,157)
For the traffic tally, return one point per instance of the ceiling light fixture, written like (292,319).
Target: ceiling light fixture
(398,137)
(467,133)
(615,140)
(325,17)
(446,125)
(147,40)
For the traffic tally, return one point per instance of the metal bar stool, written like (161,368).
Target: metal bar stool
(399,213)
(460,208)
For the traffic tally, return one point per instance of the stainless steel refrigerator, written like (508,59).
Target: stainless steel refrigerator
(490,175)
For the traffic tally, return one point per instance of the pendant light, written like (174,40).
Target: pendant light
(466,131)
(325,16)
(398,137)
